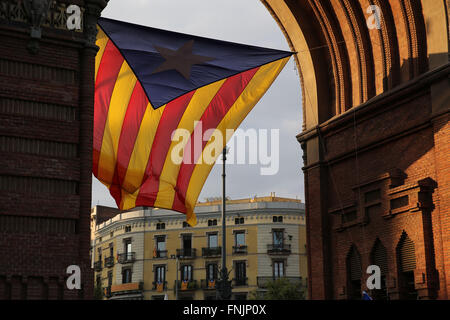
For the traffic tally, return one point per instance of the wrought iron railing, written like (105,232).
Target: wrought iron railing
(126,257)
(208,283)
(98,266)
(186,285)
(109,261)
(240,282)
(211,252)
(186,253)
(239,249)
(279,248)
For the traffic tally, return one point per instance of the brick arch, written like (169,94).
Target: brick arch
(364,93)
(343,64)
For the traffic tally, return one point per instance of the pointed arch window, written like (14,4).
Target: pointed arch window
(378,257)
(354,272)
(406,257)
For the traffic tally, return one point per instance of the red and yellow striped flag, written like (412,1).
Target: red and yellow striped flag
(149,83)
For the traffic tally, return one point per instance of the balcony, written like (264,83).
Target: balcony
(160,254)
(208,284)
(159,286)
(262,281)
(281,249)
(212,252)
(127,257)
(186,253)
(128,289)
(186,285)
(98,266)
(239,282)
(109,261)
(240,249)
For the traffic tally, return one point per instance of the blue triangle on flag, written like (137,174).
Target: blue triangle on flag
(169,64)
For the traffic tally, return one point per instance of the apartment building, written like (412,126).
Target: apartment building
(150,253)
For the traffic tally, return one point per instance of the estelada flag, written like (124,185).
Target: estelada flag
(150,83)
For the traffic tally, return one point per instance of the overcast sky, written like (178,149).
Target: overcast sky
(242,21)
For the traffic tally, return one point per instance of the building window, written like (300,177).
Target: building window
(98,281)
(277,219)
(373,210)
(239,220)
(187,245)
(127,247)
(406,257)
(110,278)
(99,250)
(372,196)
(127,228)
(160,249)
(186,225)
(348,216)
(278,269)
(239,238)
(278,239)
(186,273)
(213,240)
(160,226)
(354,273)
(126,275)
(111,250)
(212,222)
(211,271)
(160,274)
(240,274)
(399,202)
(378,257)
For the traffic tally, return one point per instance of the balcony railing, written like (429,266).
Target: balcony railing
(212,252)
(126,288)
(186,285)
(98,266)
(126,257)
(279,248)
(160,254)
(186,253)
(159,286)
(240,282)
(239,249)
(262,281)
(208,284)
(109,261)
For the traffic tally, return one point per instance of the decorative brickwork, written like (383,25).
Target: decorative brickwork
(46,112)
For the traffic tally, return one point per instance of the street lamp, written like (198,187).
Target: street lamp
(173,256)
(223,284)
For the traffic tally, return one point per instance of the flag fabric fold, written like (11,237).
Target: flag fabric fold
(156,92)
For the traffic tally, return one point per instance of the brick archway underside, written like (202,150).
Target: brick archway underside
(343,63)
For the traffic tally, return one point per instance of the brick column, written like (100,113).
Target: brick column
(87,91)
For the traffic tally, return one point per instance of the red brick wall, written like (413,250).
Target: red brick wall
(394,133)
(46,116)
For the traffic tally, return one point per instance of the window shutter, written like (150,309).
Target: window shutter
(407,255)
(354,264)
(379,257)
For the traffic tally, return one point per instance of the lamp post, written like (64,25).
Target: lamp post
(173,256)
(223,284)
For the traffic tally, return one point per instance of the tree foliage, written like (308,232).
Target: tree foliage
(279,289)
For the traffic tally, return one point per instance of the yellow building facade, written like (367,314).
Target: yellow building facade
(150,253)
